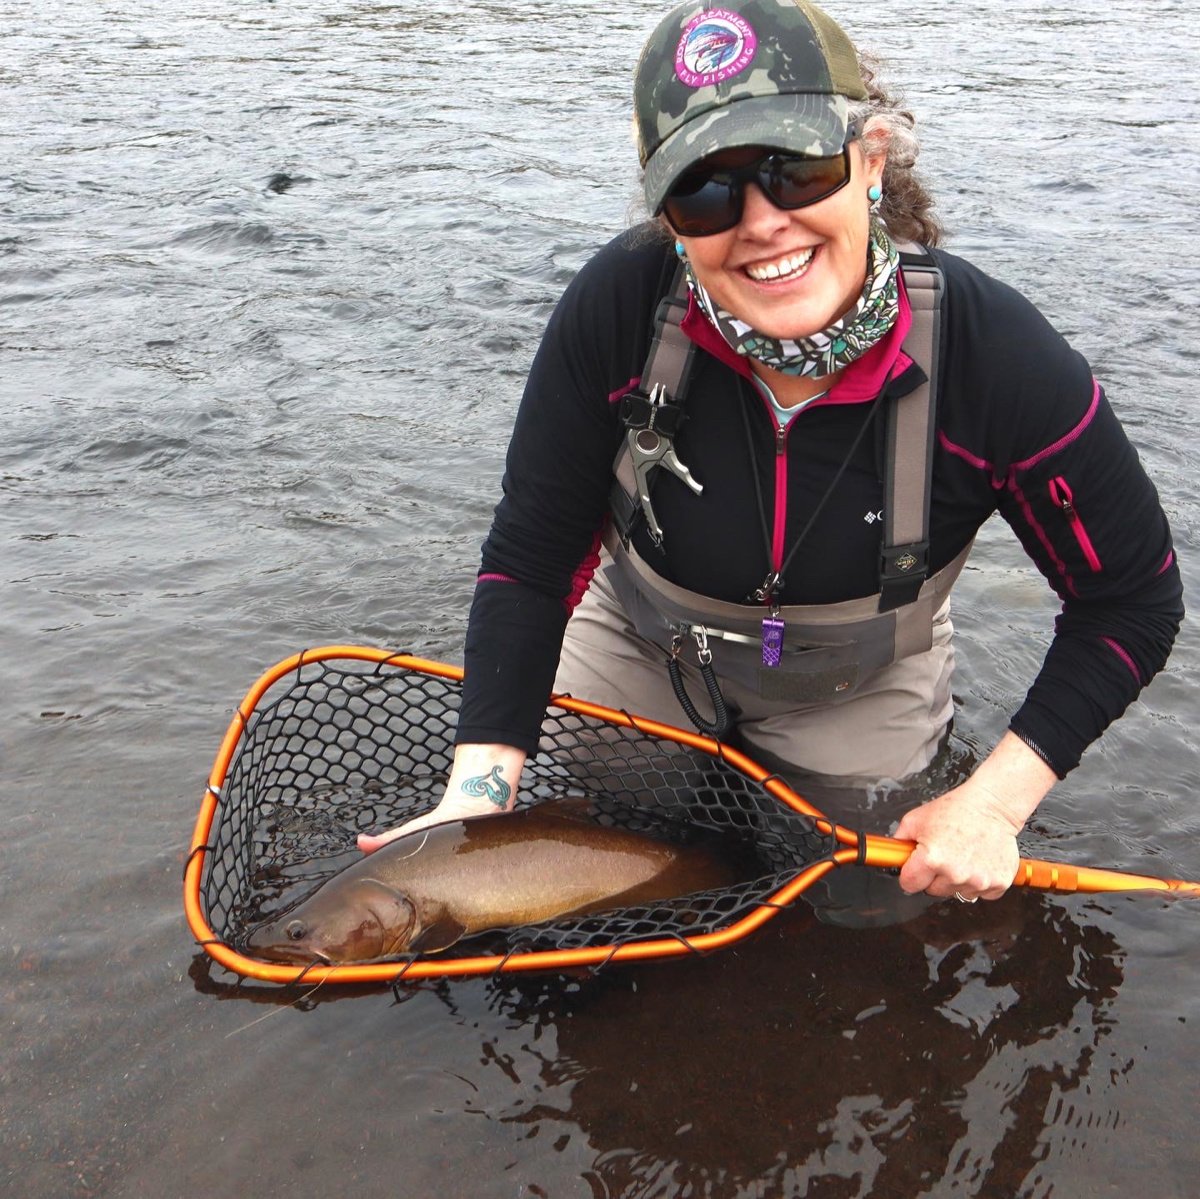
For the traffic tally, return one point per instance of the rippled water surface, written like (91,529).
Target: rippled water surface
(270,277)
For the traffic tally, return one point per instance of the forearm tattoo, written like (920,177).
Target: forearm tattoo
(491,785)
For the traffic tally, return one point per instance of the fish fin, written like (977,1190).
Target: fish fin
(440,934)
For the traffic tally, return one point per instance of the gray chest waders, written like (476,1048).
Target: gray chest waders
(802,654)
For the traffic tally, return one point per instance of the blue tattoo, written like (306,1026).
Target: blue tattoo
(496,789)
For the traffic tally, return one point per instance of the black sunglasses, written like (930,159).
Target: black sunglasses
(709,200)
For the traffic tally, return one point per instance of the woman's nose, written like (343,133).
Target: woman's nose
(760,218)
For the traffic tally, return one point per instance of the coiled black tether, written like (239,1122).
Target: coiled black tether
(722,723)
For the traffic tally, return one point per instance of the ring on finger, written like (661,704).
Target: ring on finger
(963,899)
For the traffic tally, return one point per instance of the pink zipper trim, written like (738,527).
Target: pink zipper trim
(582,578)
(970,459)
(900,363)
(621,392)
(1060,497)
(1123,654)
(1066,439)
(1032,520)
(1168,561)
(781,490)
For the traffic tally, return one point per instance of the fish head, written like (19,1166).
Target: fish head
(360,921)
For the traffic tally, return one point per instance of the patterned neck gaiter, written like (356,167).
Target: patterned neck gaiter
(842,342)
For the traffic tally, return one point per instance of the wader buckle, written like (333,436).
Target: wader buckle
(902,570)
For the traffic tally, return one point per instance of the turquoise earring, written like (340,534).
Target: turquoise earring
(680,250)
(874,193)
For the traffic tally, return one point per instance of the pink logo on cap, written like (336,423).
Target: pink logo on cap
(715,46)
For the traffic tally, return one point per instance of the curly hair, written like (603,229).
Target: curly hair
(907,207)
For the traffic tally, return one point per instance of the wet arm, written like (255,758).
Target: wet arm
(967,838)
(483,782)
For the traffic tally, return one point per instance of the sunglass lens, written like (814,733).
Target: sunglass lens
(702,203)
(795,182)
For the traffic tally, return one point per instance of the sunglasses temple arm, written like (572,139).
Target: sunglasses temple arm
(1046,876)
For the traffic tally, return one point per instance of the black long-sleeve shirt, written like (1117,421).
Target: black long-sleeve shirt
(1022,428)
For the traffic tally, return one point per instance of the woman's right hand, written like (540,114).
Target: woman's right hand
(483,782)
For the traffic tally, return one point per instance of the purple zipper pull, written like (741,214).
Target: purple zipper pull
(772,638)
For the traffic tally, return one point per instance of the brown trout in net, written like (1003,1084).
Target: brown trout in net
(423,892)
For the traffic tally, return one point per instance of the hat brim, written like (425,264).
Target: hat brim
(814,125)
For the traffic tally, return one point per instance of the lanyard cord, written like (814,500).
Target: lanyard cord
(772,585)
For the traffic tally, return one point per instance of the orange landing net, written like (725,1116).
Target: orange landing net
(347,739)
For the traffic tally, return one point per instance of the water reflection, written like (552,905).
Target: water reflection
(212,980)
(820,1061)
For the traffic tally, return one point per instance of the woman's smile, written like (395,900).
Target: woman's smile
(785,269)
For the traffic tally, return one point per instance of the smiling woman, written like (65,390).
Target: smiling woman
(787,270)
(858,403)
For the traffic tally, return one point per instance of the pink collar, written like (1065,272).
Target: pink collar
(862,380)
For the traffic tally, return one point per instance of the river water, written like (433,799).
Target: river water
(270,276)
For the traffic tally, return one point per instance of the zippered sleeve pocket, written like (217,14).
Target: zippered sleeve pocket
(1061,498)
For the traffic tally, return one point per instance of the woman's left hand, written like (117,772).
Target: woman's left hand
(967,838)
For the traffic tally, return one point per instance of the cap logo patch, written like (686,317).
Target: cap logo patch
(715,46)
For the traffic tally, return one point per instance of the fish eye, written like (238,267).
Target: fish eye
(296,930)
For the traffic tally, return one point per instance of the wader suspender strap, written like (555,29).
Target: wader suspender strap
(670,359)
(908,470)
(652,416)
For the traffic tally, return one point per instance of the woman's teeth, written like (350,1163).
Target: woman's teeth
(794,264)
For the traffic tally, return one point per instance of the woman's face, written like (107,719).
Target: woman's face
(790,273)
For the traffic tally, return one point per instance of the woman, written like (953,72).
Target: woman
(775,501)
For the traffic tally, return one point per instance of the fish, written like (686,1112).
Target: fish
(424,891)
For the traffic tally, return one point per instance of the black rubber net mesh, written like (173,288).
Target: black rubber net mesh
(341,747)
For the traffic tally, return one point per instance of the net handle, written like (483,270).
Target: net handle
(1045,876)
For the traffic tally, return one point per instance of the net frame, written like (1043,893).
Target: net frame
(238,742)
(736,919)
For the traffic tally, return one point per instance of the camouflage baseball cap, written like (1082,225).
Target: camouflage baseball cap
(775,73)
